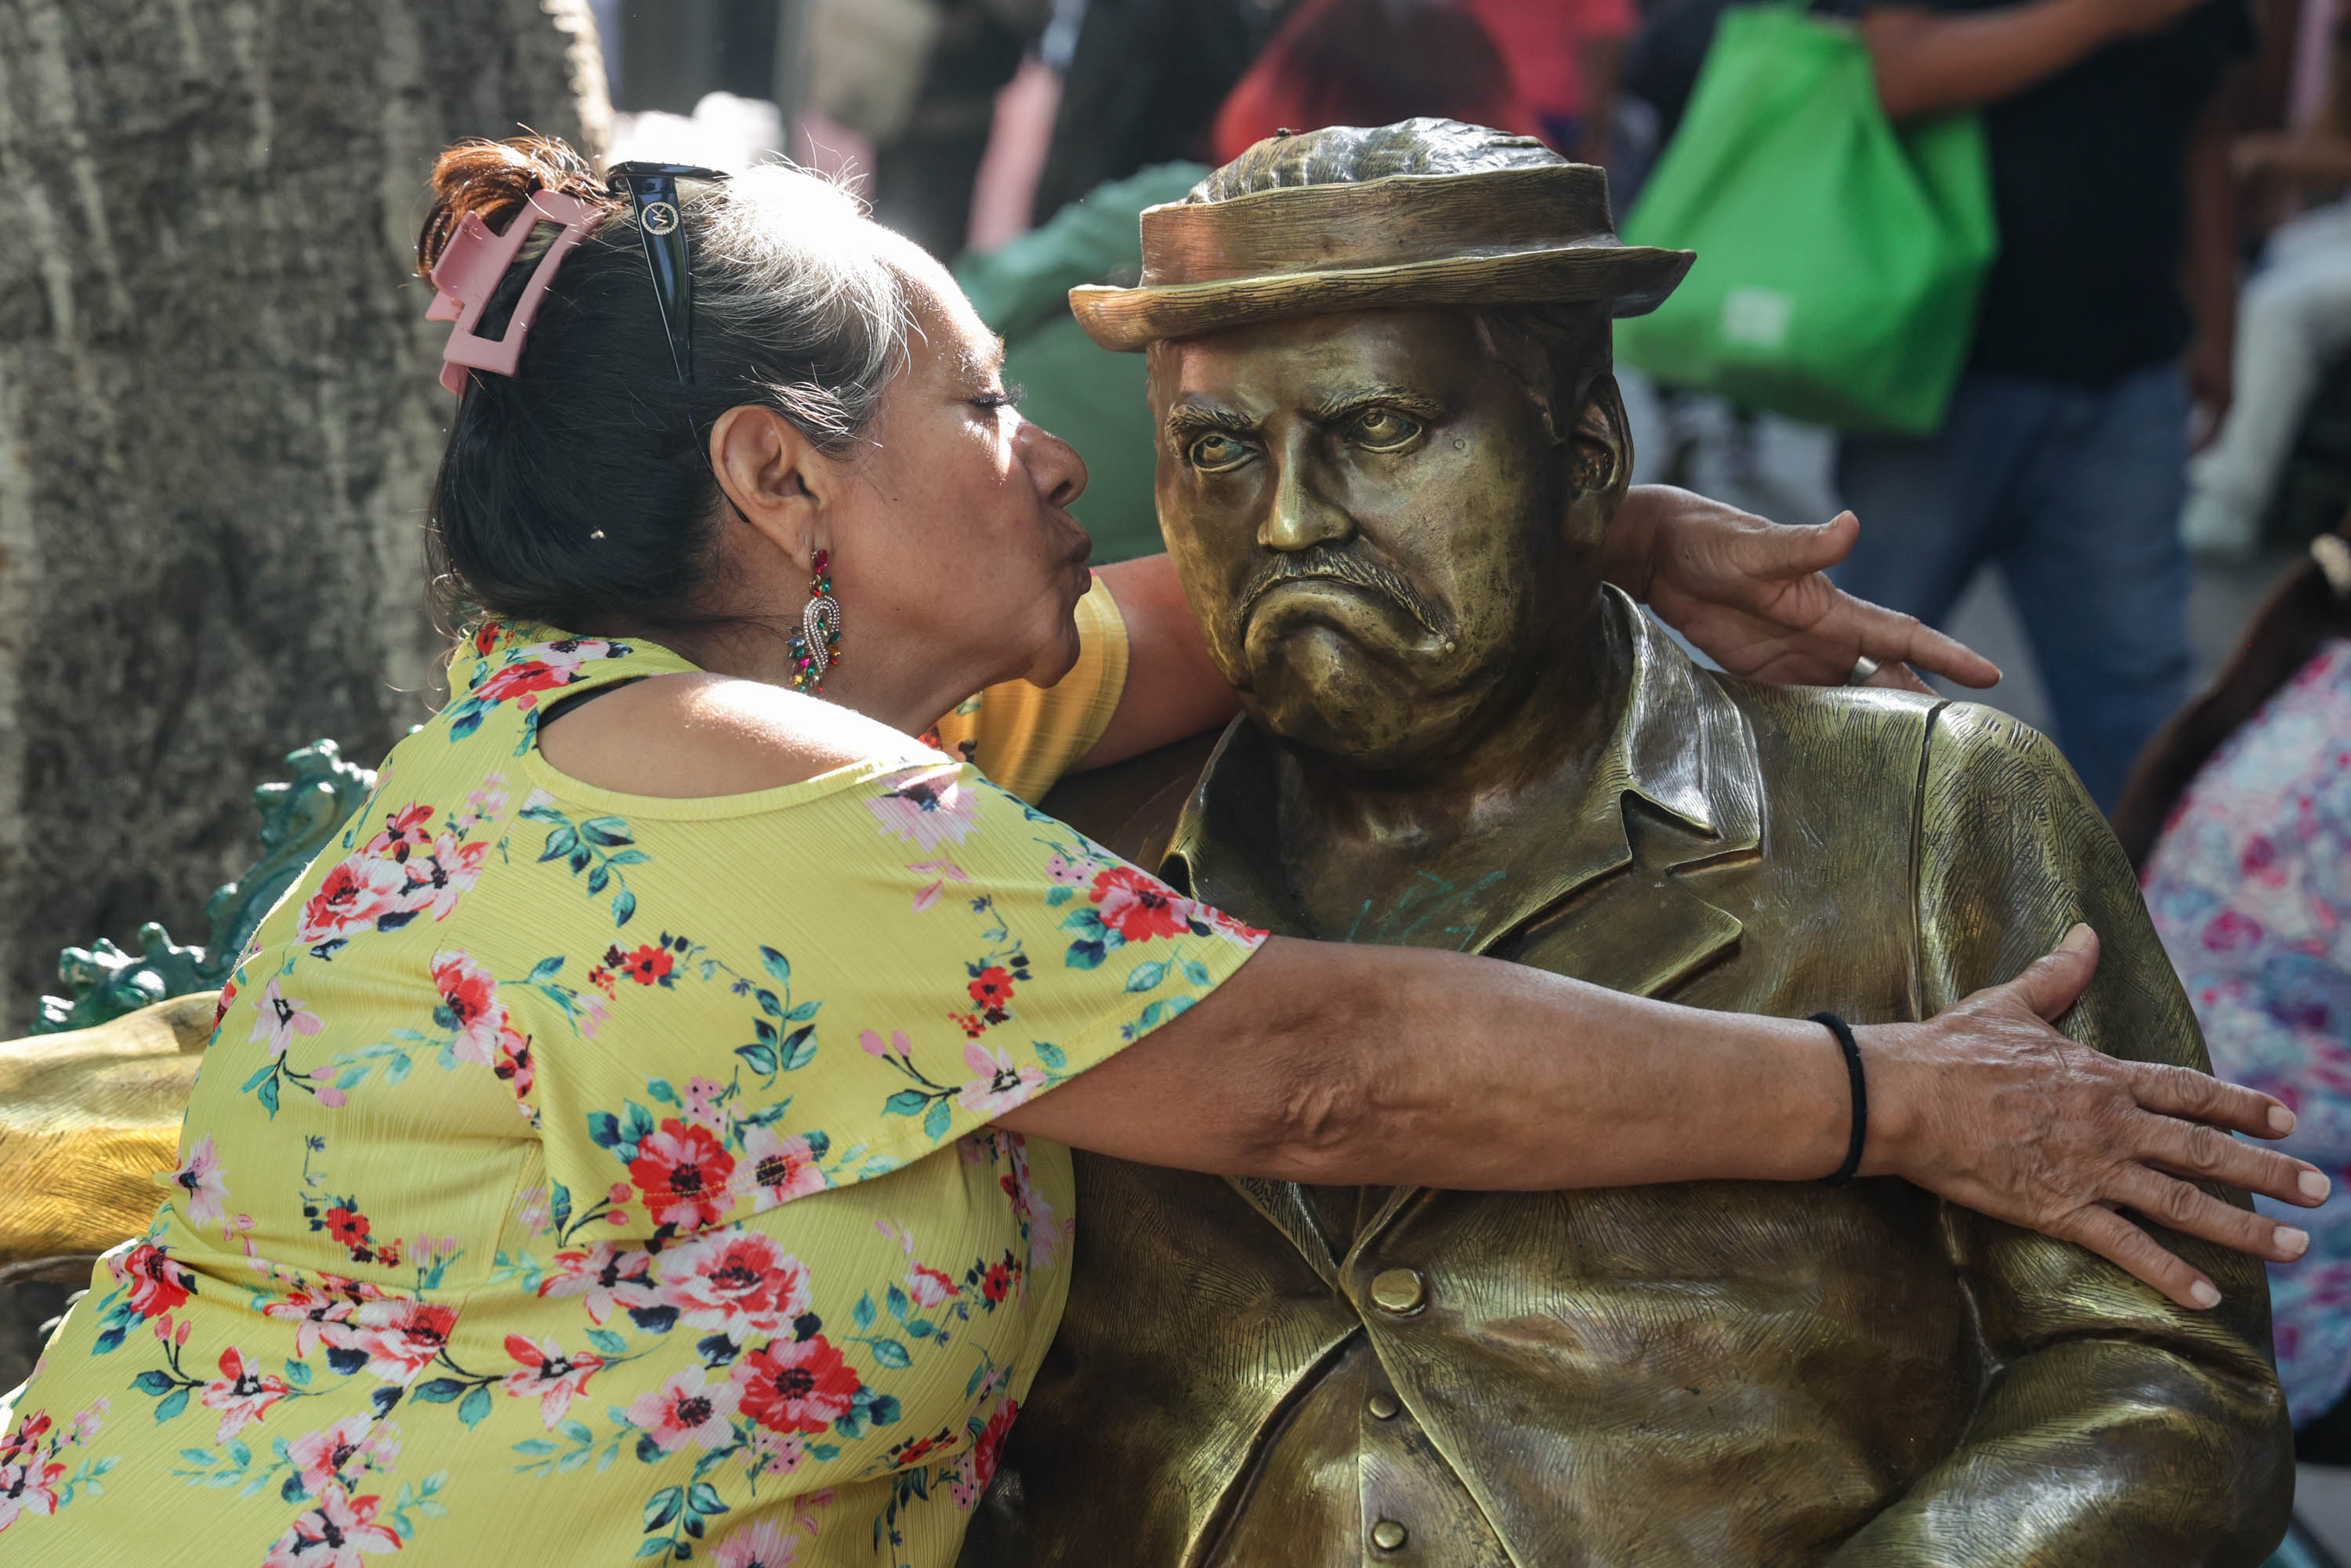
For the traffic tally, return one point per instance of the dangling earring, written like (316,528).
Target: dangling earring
(816,646)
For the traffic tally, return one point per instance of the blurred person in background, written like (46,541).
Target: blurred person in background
(1565,56)
(2063,456)
(1373,62)
(2238,817)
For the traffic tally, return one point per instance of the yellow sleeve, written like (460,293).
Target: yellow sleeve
(1025,738)
(900,960)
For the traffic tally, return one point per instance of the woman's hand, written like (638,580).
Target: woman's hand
(1987,1106)
(1755,595)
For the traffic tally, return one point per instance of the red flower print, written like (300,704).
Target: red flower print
(929,1286)
(520,679)
(647,966)
(25,1438)
(796,1385)
(514,1064)
(972,1024)
(241,1395)
(485,637)
(348,1226)
(319,1317)
(992,990)
(605,1277)
(684,1174)
(905,1456)
(997,1282)
(688,1408)
(333,1534)
(603,979)
(470,1008)
(1139,907)
(989,1452)
(220,1008)
(157,1282)
(354,896)
(782,1168)
(401,1336)
(549,1375)
(735,1281)
(407,831)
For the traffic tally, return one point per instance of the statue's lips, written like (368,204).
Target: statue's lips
(1321,597)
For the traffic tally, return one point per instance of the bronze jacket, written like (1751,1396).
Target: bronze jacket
(1715,1374)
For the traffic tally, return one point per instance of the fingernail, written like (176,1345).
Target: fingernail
(2203,1293)
(2282,1123)
(2078,939)
(2314,1186)
(2291,1241)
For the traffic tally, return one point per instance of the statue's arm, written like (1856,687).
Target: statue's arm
(2114,1426)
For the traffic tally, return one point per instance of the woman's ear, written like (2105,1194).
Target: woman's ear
(777,479)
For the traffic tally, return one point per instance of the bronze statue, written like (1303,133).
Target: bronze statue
(1390,444)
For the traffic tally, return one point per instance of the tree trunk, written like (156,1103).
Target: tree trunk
(218,416)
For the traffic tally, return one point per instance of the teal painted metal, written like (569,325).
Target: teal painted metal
(298,818)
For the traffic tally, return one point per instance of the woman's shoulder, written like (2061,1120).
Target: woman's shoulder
(694,734)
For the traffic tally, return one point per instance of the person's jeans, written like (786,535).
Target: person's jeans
(2076,495)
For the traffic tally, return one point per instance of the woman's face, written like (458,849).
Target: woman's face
(951,544)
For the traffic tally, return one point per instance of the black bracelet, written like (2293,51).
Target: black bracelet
(1845,1042)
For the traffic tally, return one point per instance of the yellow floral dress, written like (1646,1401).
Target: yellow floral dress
(582,1179)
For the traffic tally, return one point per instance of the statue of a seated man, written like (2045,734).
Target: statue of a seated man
(1390,444)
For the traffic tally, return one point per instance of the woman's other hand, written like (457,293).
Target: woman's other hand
(1987,1105)
(1755,598)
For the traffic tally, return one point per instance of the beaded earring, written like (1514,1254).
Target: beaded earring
(816,646)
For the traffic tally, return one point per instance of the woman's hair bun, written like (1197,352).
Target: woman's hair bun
(495,179)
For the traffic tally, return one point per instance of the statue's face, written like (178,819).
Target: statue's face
(1374,525)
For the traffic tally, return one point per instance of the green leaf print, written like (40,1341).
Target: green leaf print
(1145,976)
(906,1103)
(474,1407)
(170,1405)
(777,964)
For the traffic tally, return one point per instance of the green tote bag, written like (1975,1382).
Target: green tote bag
(1839,258)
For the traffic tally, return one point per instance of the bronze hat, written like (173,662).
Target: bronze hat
(1425,212)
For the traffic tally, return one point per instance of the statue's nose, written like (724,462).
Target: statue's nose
(1301,516)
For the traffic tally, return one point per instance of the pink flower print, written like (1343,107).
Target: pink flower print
(1069,874)
(549,1375)
(701,1104)
(436,881)
(333,1534)
(200,1178)
(978,1466)
(605,1275)
(735,1281)
(999,1086)
(771,1453)
(319,1317)
(946,871)
(401,1336)
(899,1045)
(929,1286)
(1139,906)
(354,896)
(782,1168)
(29,1488)
(928,811)
(86,1423)
(688,1408)
(762,1543)
(515,1065)
(321,1456)
(279,1018)
(469,1007)
(242,1396)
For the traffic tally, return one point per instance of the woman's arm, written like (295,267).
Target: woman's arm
(1754,595)
(1931,62)
(1327,1063)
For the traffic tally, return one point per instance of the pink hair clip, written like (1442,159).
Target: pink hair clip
(468,272)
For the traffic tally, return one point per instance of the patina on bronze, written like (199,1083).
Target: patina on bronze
(1387,521)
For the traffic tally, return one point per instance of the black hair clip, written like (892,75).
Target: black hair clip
(652,187)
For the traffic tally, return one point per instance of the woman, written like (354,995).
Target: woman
(2238,817)
(621,1147)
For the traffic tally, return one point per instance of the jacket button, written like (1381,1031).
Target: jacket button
(1384,1407)
(1399,1291)
(1388,1535)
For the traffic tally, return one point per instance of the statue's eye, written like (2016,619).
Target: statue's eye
(1214,452)
(1383,430)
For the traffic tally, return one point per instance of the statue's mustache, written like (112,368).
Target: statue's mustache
(1341,566)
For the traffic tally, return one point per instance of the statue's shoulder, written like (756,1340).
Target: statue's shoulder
(1855,732)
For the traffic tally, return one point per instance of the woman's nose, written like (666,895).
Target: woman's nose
(1053,464)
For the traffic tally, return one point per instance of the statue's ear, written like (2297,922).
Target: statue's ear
(1600,446)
